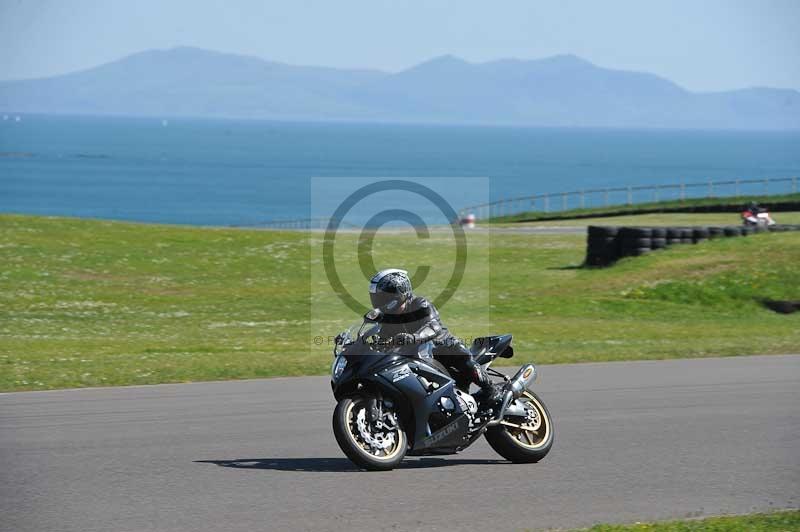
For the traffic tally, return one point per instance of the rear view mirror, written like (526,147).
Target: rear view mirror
(373,315)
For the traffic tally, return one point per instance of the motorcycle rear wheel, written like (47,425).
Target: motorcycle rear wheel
(524,442)
(356,447)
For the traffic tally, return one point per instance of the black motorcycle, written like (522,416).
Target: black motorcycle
(395,400)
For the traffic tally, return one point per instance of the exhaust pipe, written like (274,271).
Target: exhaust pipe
(524,377)
(514,389)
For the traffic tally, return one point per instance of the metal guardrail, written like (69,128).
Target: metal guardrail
(630,195)
(579,199)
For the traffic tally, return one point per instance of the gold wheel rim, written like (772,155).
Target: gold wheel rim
(531,436)
(352,432)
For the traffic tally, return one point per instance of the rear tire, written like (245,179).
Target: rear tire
(510,442)
(347,436)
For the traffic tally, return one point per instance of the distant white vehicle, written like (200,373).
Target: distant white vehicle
(755,215)
(468,221)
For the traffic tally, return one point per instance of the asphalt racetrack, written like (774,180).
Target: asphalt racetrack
(634,441)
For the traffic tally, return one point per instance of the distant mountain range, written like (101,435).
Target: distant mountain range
(563,91)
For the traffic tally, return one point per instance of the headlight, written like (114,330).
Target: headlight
(338,366)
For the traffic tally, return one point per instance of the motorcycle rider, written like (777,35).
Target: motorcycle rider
(409,320)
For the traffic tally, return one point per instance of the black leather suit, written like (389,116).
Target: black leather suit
(421,319)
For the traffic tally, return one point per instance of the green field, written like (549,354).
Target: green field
(92,303)
(773,522)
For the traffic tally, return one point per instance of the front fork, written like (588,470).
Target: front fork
(374,410)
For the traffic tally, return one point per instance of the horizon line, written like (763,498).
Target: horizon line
(440,57)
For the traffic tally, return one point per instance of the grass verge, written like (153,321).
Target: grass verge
(658,219)
(91,303)
(772,522)
(726,204)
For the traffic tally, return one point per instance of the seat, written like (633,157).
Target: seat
(485,347)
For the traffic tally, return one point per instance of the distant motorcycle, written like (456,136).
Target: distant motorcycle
(757,216)
(395,400)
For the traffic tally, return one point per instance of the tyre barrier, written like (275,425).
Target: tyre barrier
(607,244)
(601,245)
(699,234)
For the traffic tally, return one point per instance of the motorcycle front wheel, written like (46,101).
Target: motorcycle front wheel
(375,446)
(524,440)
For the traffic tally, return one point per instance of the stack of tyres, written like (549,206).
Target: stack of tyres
(674,235)
(607,244)
(699,234)
(659,237)
(635,241)
(781,228)
(732,230)
(601,248)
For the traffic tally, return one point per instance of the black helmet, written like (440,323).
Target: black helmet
(389,288)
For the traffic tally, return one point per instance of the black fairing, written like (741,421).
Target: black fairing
(487,348)
(430,428)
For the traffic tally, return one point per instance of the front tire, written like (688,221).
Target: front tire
(525,441)
(358,442)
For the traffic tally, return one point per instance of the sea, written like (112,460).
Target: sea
(239,172)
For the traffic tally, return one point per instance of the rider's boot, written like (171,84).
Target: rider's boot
(490,395)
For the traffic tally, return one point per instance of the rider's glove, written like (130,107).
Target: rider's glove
(403,338)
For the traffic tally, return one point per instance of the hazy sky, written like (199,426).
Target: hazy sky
(702,45)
